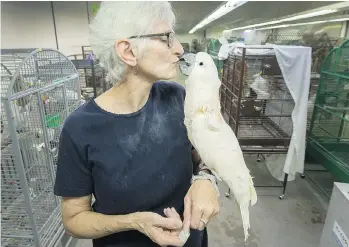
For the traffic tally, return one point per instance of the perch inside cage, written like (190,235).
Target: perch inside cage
(39,89)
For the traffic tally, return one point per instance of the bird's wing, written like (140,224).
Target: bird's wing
(213,118)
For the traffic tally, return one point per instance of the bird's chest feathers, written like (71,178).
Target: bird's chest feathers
(199,99)
(207,108)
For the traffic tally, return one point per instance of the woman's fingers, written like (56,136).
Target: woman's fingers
(159,228)
(207,214)
(197,212)
(187,210)
(171,213)
(167,223)
(164,238)
(166,213)
(186,226)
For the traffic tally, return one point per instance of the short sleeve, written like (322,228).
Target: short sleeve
(181,89)
(73,176)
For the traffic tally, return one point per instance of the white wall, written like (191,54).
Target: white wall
(30,25)
(27,25)
(214,32)
(72,26)
(187,38)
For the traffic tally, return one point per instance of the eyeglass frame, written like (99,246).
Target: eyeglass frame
(167,34)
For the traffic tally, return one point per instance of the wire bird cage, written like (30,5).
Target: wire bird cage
(92,76)
(86,51)
(38,91)
(256,103)
(321,45)
(328,138)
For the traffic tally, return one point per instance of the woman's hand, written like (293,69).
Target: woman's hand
(200,204)
(159,228)
(172,213)
(183,233)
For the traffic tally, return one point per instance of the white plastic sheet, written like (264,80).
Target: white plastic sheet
(225,49)
(236,48)
(295,65)
(273,162)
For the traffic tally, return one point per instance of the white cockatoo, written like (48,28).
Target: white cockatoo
(212,137)
(261,87)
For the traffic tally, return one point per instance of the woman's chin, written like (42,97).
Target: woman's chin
(168,73)
(171,75)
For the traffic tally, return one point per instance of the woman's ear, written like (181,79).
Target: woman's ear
(125,52)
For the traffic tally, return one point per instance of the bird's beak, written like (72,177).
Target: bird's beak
(185,69)
(186,63)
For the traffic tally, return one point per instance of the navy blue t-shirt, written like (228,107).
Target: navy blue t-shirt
(130,162)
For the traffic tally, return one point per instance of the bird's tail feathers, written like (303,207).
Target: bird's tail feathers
(253,193)
(245,215)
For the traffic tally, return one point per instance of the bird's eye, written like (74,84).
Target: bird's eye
(201,63)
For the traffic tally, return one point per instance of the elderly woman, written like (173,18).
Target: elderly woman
(129,147)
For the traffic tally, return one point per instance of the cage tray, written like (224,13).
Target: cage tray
(261,132)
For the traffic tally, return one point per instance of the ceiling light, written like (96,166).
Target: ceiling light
(256,25)
(307,23)
(296,17)
(221,11)
(341,19)
(303,23)
(312,14)
(272,27)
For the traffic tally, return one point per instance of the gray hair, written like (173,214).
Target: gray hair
(115,20)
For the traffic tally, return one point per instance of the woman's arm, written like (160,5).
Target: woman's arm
(81,222)
(201,202)
(197,163)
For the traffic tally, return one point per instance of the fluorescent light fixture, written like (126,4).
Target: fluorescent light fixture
(307,23)
(341,19)
(272,27)
(312,14)
(221,11)
(256,25)
(304,23)
(293,18)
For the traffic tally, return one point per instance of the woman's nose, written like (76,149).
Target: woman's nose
(177,48)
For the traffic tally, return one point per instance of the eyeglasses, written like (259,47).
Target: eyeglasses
(169,35)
